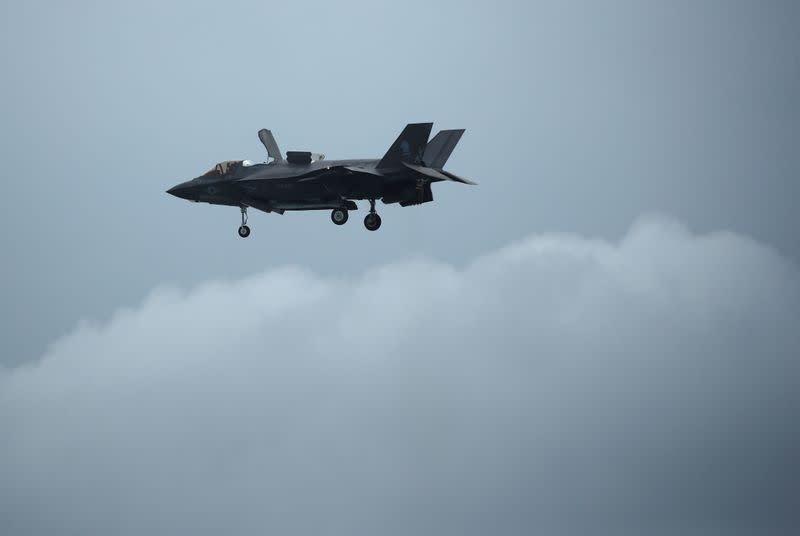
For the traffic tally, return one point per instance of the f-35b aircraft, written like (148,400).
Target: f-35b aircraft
(306,181)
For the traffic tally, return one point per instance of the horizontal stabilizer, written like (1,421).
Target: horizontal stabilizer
(428,172)
(440,147)
(439,175)
(456,178)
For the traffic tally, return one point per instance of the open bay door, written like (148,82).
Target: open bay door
(270,145)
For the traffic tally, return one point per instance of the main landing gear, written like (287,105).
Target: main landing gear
(244,230)
(339,216)
(372,221)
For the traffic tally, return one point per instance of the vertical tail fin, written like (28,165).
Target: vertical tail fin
(440,147)
(408,147)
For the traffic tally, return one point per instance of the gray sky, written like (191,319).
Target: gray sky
(559,385)
(580,117)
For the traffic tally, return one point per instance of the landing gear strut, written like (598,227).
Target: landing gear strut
(372,221)
(339,216)
(421,190)
(244,230)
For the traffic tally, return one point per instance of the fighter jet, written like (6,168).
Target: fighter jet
(306,181)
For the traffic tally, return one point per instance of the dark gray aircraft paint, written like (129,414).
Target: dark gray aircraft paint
(306,181)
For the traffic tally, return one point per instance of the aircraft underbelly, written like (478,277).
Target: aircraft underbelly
(288,191)
(312,190)
(305,205)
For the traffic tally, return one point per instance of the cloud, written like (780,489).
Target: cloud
(559,385)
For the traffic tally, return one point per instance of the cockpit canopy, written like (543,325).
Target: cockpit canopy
(223,168)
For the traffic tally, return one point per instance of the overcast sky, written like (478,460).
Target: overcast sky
(558,385)
(318,376)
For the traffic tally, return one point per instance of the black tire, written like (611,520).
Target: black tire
(372,222)
(244,231)
(339,216)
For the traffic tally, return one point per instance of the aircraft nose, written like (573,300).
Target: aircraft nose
(181,190)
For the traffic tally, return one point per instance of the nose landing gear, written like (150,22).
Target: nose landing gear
(244,230)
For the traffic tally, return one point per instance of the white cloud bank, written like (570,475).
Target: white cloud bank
(560,385)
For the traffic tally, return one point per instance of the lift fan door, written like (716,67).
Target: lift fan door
(298,157)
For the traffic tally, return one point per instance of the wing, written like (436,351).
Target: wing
(338,172)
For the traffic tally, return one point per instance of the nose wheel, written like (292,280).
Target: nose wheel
(372,221)
(244,230)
